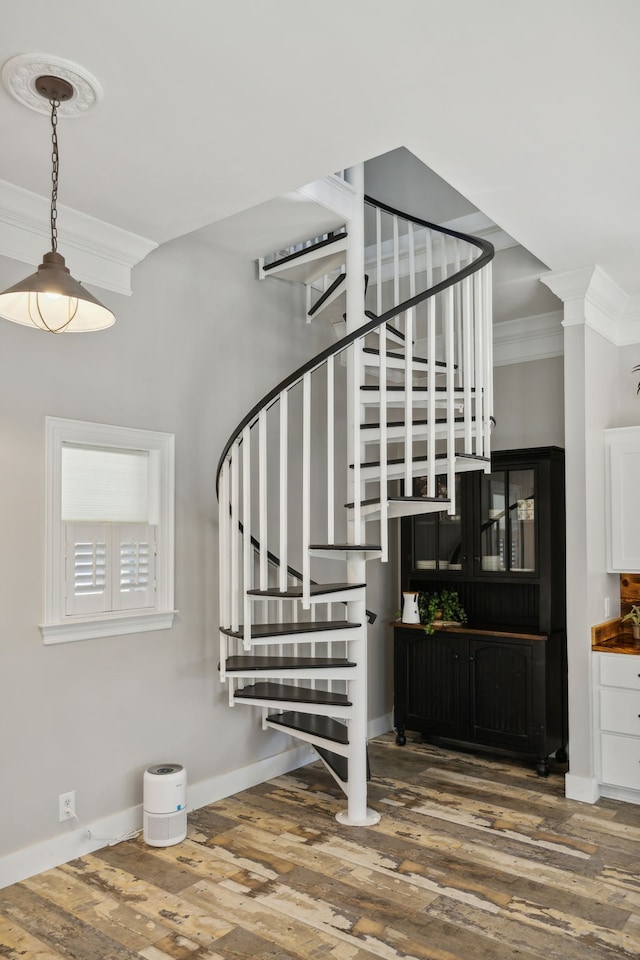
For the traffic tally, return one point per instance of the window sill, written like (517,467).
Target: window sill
(108,625)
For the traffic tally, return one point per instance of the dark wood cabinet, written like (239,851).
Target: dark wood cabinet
(498,690)
(499,681)
(504,549)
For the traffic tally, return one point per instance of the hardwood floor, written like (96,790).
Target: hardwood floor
(475,858)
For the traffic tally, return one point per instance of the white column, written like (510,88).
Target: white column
(591,303)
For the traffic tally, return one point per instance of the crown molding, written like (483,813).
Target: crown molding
(96,252)
(592,298)
(528,338)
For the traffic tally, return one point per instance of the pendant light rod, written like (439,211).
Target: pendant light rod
(56,91)
(51,299)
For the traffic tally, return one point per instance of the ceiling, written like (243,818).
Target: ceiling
(528,110)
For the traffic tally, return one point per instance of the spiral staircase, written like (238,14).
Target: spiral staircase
(310,480)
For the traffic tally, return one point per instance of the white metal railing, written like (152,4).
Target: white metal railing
(419,366)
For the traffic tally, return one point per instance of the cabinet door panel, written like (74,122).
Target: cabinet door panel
(620,711)
(500,692)
(617,671)
(433,685)
(622,450)
(620,760)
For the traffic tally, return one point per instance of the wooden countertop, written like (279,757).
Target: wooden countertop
(619,644)
(613,637)
(518,632)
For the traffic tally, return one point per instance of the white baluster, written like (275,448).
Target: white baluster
(396,264)
(381,331)
(408,403)
(478,297)
(451,411)
(284,492)
(331,479)
(467,361)
(247,548)
(262,497)
(488,353)
(235,535)
(306,487)
(431,397)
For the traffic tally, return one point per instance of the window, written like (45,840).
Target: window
(109,530)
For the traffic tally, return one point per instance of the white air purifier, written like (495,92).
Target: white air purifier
(164,803)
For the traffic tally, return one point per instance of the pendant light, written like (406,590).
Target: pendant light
(50,299)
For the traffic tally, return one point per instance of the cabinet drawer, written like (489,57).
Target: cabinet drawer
(620,760)
(620,670)
(620,711)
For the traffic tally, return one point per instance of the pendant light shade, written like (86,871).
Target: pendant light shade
(50,299)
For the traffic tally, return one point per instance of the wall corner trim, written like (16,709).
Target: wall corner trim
(584,789)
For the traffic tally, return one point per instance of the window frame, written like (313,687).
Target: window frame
(59,627)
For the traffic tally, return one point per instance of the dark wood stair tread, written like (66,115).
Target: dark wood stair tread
(401,356)
(414,423)
(325,727)
(338,763)
(284,663)
(370,502)
(262,630)
(327,293)
(301,253)
(344,546)
(439,456)
(398,387)
(314,590)
(284,691)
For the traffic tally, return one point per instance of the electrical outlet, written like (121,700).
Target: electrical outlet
(607,607)
(67,805)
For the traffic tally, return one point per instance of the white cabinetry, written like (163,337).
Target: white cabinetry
(617,711)
(622,497)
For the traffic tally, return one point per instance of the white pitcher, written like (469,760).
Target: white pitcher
(410,611)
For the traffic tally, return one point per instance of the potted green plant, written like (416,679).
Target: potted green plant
(634,617)
(440,605)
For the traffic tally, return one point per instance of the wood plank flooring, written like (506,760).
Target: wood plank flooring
(475,858)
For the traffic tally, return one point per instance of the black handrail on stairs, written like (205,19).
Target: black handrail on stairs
(485,257)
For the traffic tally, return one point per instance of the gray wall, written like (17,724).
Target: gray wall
(198,343)
(529,404)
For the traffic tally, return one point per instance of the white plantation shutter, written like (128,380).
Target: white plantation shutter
(133,559)
(109,530)
(109,567)
(86,569)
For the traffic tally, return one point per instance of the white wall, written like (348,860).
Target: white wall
(628,395)
(198,343)
(591,405)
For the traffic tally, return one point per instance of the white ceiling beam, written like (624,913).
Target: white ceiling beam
(97,253)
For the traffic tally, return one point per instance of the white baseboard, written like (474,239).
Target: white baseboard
(585,789)
(375,728)
(92,836)
(620,793)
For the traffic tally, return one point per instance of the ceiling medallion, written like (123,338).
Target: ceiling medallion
(19,75)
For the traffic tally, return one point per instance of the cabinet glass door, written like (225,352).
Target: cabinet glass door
(522,514)
(507,522)
(437,537)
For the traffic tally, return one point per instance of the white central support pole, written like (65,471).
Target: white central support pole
(357,813)
(355,319)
